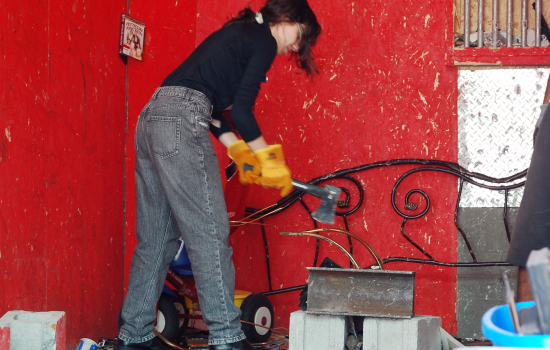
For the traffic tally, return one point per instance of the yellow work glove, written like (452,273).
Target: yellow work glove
(249,168)
(274,172)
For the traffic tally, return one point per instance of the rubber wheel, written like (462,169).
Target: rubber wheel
(257,308)
(182,310)
(167,319)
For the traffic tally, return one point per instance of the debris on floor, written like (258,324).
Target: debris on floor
(87,344)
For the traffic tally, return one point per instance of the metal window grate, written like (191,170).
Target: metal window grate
(497,112)
(509,22)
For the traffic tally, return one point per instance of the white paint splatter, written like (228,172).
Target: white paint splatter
(422,98)
(425,147)
(436,82)
(421,56)
(426,20)
(8,133)
(307,104)
(336,103)
(334,76)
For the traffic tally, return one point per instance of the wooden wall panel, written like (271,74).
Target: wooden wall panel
(62,118)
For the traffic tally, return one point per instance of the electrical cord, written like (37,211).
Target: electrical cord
(351,258)
(359,239)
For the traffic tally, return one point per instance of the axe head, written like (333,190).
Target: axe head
(327,209)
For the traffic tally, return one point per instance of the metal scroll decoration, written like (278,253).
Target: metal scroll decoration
(497,184)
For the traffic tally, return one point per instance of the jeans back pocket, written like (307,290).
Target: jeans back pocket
(164,135)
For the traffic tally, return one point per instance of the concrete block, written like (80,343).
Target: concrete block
(417,333)
(317,332)
(34,330)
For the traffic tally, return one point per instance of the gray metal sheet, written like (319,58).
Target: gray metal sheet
(479,289)
(497,111)
(379,293)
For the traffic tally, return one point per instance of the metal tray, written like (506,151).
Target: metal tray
(354,292)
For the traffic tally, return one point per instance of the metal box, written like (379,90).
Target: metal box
(354,292)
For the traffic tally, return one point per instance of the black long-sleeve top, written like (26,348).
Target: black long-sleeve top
(228,67)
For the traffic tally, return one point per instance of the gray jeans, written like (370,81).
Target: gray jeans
(179,193)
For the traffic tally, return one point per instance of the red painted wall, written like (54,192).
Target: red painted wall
(62,117)
(384,92)
(66,144)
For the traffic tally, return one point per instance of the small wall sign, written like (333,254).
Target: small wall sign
(132,35)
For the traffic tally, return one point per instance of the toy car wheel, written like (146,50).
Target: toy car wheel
(167,318)
(182,310)
(257,309)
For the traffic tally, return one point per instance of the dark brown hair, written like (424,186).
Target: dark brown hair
(277,11)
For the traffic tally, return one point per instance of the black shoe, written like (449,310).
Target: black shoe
(153,344)
(242,345)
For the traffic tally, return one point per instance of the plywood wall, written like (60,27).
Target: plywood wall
(62,118)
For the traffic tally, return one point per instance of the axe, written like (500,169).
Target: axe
(327,194)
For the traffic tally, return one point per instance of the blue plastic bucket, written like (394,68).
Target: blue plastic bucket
(497,326)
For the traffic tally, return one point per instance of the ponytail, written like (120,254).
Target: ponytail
(245,15)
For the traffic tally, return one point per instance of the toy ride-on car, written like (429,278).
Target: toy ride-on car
(179,303)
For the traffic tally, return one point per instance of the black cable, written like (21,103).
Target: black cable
(284,290)
(458,226)
(435,262)
(349,239)
(266,255)
(505,215)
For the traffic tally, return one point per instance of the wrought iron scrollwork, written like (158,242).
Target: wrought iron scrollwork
(463,175)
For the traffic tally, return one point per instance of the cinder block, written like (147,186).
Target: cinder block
(417,333)
(317,332)
(34,330)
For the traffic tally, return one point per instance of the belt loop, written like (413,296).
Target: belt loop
(156,93)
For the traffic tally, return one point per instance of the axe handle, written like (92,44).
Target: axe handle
(317,191)
(313,190)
